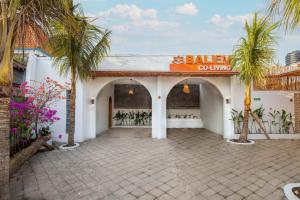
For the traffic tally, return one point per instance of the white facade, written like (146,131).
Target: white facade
(218,96)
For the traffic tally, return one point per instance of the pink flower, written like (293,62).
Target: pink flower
(23,84)
(30,99)
(13,130)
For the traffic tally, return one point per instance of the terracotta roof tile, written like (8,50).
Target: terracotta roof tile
(34,38)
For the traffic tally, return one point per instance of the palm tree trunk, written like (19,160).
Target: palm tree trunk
(4,141)
(72,111)
(5,93)
(18,159)
(247,105)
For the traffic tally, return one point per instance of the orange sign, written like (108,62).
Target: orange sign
(200,63)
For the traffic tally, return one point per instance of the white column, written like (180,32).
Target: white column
(82,112)
(228,124)
(31,67)
(159,120)
(92,121)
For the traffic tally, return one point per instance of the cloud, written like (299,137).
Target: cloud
(123,18)
(187,9)
(119,28)
(132,12)
(86,1)
(225,22)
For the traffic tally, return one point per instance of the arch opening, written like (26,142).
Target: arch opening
(123,103)
(195,103)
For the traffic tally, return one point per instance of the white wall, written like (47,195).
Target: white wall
(39,68)
(173,112)
(95,86)
(270,100)
(159,88)
(128,122)
(222,84)
(86,112)
(102,108)
(211,103)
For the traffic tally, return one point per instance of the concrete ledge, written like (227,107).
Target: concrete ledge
(131,126)
(287,189)
(184,123)
(274,136)
(251,142)
(64,147)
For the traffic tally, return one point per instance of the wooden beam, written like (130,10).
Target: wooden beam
(160,73)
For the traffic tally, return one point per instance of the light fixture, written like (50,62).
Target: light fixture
(130,91)
(186,88)
(92,100)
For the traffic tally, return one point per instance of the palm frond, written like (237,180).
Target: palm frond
(288,11)
(79,53)
(255,52)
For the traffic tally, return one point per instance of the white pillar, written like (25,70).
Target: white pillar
(31,68)
(92,121)
(228,124)
(159,121)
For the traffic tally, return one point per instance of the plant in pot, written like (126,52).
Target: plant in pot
(237,118)
(251,58)
(131,117)
(150,117)
(273,121)
(285,121)
(138,118)
(260,114)
(144,117)
(118,117)
(44,131)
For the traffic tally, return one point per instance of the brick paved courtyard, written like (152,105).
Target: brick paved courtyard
(191,164)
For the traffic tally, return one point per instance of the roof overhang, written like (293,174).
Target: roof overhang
(161,73)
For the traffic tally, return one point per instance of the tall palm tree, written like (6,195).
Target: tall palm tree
(16,16)
(288,11)
(78,55)
(251,58)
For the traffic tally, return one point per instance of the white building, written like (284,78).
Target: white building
(139,85)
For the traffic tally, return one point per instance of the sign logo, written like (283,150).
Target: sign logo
(193,63)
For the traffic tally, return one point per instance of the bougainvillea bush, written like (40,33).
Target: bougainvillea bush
(31,112)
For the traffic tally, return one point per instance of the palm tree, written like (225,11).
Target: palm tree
(288,10)
(78,55)
(16,16)
(251,58)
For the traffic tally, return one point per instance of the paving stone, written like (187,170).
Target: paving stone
(156,192)
(244,192)
(234,197)
(147,197)
(208,192)
(138,192)
(191,164)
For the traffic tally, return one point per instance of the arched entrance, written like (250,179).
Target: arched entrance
(195,103)
(123,103)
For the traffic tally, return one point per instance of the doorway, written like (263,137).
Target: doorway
(110,112)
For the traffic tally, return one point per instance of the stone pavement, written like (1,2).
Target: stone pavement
(126,164)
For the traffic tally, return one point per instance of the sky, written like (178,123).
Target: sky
(180,27)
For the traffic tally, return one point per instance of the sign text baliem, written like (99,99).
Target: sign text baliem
(200,63)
